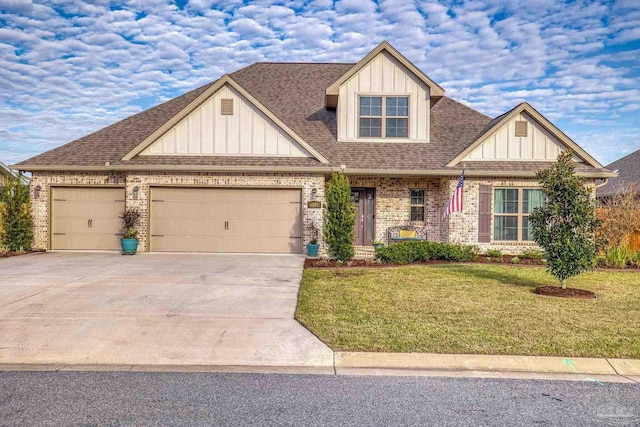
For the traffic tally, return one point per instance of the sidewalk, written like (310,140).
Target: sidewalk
(599,370)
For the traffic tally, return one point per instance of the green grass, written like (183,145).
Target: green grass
(470,308)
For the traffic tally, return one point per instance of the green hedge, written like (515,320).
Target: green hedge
(416,251)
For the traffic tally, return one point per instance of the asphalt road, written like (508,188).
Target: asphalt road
(119,399)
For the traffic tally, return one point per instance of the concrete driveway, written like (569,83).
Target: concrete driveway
(154,309)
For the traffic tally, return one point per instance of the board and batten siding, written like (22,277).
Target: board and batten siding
(207,132)
(384,75)
(505,145)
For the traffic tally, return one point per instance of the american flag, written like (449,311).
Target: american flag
(455,205)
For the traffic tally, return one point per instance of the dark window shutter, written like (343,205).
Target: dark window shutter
(484,214)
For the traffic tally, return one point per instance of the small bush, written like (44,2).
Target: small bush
(532,254)
(515,260)
(635,259)
(406,252)
(339,219)
(494,253)
(15,216)
(619,256)
(129,220)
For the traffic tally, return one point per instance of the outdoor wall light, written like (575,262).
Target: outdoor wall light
(134,193)
(314,192)
(36,192)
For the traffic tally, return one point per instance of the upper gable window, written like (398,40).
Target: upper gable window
(384,116)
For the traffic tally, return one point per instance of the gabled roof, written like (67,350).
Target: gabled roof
(628,169)
(294,95)
(502,119)
(332,91)
(212,89)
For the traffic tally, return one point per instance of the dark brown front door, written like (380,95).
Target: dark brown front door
(364,228)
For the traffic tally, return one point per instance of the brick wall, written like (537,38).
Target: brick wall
(463,227)
(393,204)
(392,200)
(40,206)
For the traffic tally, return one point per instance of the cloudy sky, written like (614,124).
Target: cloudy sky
(69,67)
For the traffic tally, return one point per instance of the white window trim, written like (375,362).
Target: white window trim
(520,215)
(423,205)
(383,117)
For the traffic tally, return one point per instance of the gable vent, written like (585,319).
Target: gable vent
(521,128)
(226,107)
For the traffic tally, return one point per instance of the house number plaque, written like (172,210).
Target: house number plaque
(314,204)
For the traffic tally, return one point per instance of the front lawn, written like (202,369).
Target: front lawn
(470,308)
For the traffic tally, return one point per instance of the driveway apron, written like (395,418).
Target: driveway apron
(154,309)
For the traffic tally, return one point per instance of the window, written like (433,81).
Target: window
(417,205)
(386,116)
(511,209)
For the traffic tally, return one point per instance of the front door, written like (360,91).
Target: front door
(364,228)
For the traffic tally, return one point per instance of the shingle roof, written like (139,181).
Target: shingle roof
(111,143)
(628,169)
(295,93)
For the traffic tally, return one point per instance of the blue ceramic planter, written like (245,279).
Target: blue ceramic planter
(129,246)
(312,249)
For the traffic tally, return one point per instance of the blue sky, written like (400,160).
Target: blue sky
(68,67)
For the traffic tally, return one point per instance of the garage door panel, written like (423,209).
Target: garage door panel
(86,218)
(226,220)
(177,226)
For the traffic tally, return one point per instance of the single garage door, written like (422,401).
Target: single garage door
(86,218)
(226,220)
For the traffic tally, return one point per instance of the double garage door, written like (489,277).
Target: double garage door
(183,219)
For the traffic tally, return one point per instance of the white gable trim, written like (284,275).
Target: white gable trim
(224,80)
(435,89)
(540,119)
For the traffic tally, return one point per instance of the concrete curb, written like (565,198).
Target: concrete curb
(252,369)
(598,370)
(350,363)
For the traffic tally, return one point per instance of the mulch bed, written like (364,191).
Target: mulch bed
(10,254)
(507,260)
(323,263)
(557,291)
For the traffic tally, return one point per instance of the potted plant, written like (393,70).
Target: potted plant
(313,247)
(129,220)
(377,245)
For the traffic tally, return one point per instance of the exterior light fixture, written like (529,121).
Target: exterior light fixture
(314,193)
(36,192)
(134,193)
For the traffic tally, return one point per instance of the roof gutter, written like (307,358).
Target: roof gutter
(294,169)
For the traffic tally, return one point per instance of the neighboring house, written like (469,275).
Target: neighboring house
(6,172)
(240,165)
(628,169)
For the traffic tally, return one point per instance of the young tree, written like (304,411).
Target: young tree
(339,218)
(15,214)
(565,225)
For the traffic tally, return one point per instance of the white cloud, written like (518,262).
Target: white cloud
(62,77)
(16,6)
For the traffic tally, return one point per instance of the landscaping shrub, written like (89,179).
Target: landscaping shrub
(17,223)
(619,216)
(565,225)
(494,253)
(532,254)
(421,251)
(339,217)
(515,260)
(619,256)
